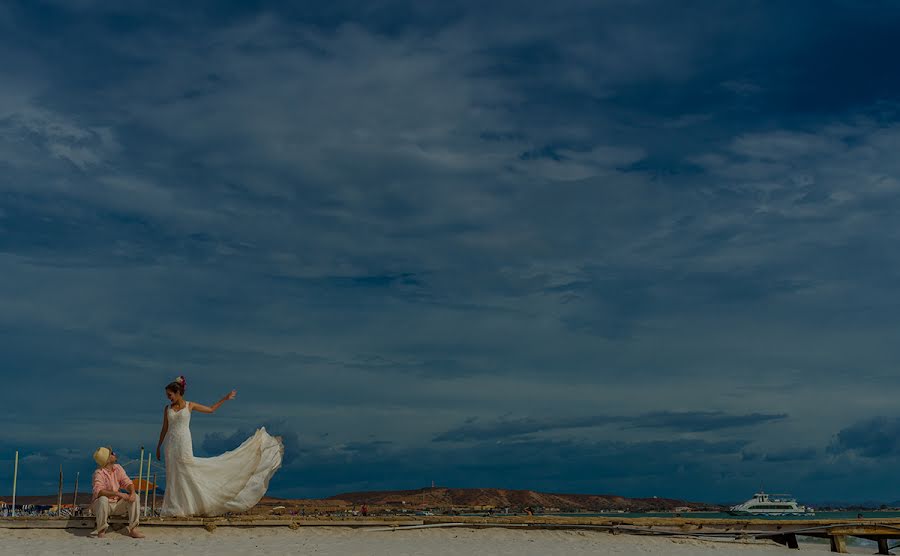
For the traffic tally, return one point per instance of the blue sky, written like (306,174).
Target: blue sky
(623,246)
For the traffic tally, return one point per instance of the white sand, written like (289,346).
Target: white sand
(324,541)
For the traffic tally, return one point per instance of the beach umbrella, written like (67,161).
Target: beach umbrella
(142,485)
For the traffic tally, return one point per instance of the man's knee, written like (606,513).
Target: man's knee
(101,501)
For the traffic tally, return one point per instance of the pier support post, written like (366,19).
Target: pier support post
(792,541)
(789,540)
(883,547)
(839,544)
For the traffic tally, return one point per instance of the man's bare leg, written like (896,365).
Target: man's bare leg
(101,510)
(135,534)
(134,511)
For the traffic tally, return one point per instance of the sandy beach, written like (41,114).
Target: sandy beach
(326,541)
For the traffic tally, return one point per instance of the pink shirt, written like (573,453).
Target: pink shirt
(110,478)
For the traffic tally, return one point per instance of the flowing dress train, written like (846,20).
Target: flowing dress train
(232,482)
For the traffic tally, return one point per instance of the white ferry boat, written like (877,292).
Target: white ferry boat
(770,504)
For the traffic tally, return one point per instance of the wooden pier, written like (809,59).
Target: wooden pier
(784,532)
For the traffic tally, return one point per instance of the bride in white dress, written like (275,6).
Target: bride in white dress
(232,482)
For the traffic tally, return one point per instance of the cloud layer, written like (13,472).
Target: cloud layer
(617,242)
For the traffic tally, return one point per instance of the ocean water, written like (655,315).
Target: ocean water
(835,516)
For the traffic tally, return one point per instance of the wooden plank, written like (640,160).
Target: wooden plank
(753,524)
(864,530)
(88,523)
(839,544)
(408,527)
(883,546)
(884,529)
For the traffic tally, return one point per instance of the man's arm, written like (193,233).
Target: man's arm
(110,493)
(130,492)
(95,485)
(126,483)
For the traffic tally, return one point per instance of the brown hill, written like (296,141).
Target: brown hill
(440,497)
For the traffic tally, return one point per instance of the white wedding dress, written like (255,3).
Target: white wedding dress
(232,482)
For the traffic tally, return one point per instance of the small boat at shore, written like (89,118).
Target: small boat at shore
(770,504)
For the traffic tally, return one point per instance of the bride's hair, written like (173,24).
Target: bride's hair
(178,385)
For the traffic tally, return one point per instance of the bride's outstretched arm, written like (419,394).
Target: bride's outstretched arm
(212,409)
(162,433)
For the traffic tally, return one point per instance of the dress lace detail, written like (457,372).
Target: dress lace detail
(232,482)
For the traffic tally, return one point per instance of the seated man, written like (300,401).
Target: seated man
(109,480)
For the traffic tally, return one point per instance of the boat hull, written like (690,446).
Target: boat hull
(769,514)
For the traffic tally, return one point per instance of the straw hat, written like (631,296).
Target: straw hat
(101,456)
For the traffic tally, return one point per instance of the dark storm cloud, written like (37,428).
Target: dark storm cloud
(878,437)
(782,456)
(473,430)
(699,421)
(694,421)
